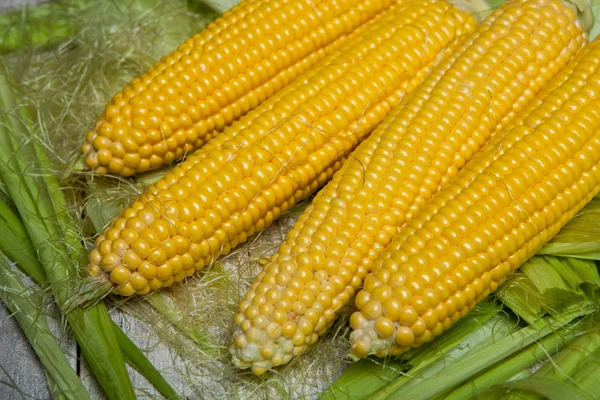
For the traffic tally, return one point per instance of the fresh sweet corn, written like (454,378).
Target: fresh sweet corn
(278,154)
(508,201)
(217,76)
(426,140)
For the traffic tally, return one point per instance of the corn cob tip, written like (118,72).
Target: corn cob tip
(246,352)
(104,155)
(378,336)
(216,77)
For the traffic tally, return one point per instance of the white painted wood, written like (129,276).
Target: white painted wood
(8,4)
(20,371)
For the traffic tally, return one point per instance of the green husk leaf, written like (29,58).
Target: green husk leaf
(563,365)
(580,237)
(365,377)
(25,169)
(587,375)
(83,320)
(596,28)
(27,310)
(428,384)
(15,243)
(15,233)
(551,286)
(134,357)
(542,388)
(514,367)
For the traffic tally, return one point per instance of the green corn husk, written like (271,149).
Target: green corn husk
(24,168)
(15,239)
(560,369)
(579,238)
(512,369)
(429,384)
(587,375)
(26,308)
(549,293)
(367,376)
(14,242)
(552,286)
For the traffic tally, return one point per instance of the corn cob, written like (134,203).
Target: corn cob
(495,214)
(276,155)
(217,76)
(424,142)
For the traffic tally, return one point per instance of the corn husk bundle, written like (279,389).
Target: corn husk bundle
(545,311)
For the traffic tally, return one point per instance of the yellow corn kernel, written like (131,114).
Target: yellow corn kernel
(554,159)
(311,125)
(216,77)
(425,141)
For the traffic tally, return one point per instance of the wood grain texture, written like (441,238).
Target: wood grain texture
(20,372)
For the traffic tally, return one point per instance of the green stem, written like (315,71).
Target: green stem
(138,361)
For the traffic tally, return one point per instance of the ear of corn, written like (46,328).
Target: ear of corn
(501,209)
(277,155)
(424,142)
(217,76)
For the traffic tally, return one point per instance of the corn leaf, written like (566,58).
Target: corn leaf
(27,310)
(587,375)
(542,389)
(15,239)
(365,377)
(514,367)
(138,361)
(26,171)
(15,243)
(435,380)
(580,238)
(551,286)
(556,375)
